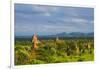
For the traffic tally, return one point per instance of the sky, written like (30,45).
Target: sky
(49,20)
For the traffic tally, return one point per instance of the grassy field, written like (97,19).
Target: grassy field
(52,51)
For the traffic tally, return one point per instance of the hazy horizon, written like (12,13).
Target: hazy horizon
(58,33)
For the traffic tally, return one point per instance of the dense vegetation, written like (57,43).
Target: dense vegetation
(52,51)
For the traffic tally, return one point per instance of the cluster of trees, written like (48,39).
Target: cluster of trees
(51,51)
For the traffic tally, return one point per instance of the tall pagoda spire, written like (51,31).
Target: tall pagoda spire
(34,41)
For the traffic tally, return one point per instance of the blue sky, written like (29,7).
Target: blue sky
(46,20)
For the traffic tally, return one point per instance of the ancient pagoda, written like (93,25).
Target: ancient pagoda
(34,41)
(57,39)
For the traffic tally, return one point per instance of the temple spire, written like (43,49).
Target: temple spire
(57,38)
(34,41)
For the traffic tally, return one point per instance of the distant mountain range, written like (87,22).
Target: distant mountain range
(64,34)
(75,34)
(72,34)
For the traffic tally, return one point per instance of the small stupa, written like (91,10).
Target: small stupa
(57,39)
(34,41)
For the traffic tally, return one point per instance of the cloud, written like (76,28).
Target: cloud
(52,19)
(44,10)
